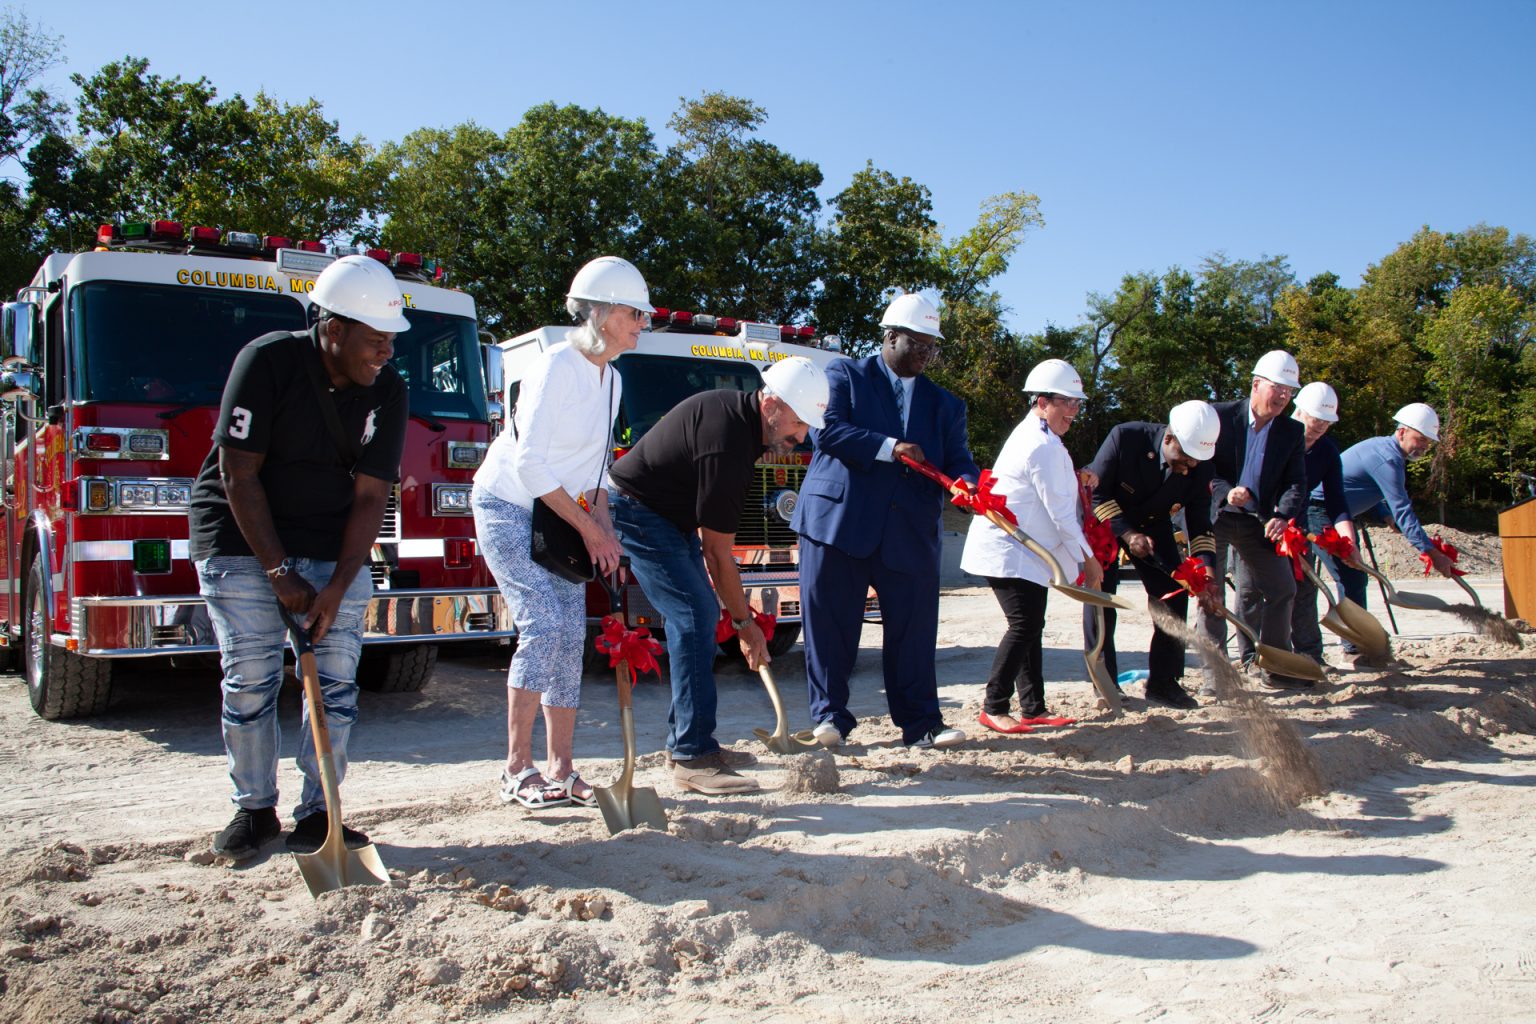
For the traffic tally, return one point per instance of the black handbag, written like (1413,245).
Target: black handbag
(555,544)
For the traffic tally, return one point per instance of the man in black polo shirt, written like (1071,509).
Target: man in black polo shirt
(677,498)
(285,504)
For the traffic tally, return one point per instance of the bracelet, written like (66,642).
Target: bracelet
(741,624)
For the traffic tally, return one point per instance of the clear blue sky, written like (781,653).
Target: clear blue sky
(1154,133)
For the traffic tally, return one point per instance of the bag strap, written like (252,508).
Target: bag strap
(344,447)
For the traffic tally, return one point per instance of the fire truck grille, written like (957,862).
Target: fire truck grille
(380,573)
(389,529)
(770,500)
(167,636)
(479,622)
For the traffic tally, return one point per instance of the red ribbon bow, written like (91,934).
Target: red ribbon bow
(633,647)
(1332,542)
(1101,537)
(724,629)
(1446,549)
(981,500)
(1193,575)
(1293,545)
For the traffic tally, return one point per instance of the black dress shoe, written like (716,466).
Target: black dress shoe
(1171,695)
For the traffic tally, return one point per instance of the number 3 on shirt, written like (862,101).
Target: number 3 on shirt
(240,423)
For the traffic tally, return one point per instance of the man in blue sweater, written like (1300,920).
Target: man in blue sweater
(1375,474)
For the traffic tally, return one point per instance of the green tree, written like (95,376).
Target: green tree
(149,147)
(564,186)
(735,226)
(882,237)
(27,113)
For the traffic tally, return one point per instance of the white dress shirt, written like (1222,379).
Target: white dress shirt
(1035,475)
(564,425)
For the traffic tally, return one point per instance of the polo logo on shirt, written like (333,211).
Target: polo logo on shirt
(369,426)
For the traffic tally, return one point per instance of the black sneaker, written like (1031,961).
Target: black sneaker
(309,834)
(247,833)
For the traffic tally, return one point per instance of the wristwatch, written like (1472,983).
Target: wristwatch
(741,624)
(282,568)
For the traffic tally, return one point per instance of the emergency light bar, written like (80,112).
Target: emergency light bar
(302,257)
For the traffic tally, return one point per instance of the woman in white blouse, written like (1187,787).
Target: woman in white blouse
(1034,474)
(556,448)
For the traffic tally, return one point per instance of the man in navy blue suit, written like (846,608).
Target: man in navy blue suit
(865,520)
(1260,484)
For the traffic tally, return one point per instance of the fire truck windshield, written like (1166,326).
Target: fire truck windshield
(172,345)
(439,357)
(653,384)
(165,344)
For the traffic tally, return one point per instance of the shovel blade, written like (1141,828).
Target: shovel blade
(333,866)
(1094,597)
(1287,663)
(630,808)
(1369,635)
(1420,602)
(797,743)
(1104,685)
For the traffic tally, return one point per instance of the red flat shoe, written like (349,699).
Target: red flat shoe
(1049,720)
(991,723)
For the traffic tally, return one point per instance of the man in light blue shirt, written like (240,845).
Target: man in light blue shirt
(1376,475)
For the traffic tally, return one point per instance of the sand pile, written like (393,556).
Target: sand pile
(845,871)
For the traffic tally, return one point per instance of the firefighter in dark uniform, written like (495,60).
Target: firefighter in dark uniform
(1147,472)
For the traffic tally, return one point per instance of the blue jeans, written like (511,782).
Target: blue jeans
(251,638)
(670,569)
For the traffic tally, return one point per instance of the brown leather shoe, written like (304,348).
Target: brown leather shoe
(711,775)
(737,758)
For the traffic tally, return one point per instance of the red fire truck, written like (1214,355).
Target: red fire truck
(682,354)
(114,362)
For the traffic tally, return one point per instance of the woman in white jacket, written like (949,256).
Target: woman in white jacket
(556,448)
(1034,474)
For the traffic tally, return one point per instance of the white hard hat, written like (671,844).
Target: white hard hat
(361,288)
(1196,427)
(1054,377)
(1421,418)
(912,312)
(803,385)
(1279,367)
(612,279)
(1319,400)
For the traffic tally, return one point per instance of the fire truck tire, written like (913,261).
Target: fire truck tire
(784,637)
(397,670)
(60,683)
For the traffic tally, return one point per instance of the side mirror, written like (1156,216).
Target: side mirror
(16,384)
(495,382)
(17,337)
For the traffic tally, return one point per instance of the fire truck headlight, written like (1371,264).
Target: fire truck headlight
(173,495)
(130,495)
(784,504)
(450,499)
(466,454)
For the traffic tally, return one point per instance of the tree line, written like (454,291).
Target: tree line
(723,221)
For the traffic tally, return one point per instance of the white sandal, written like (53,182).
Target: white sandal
(569,788)
(547,795)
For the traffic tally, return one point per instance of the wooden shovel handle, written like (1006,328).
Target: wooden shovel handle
(621,676)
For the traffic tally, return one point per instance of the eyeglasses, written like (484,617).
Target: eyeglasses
(928,342)
(1284,389)
(1074,403)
